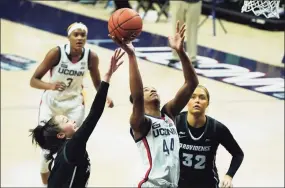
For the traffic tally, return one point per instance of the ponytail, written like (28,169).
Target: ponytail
(46,137)
(38,136)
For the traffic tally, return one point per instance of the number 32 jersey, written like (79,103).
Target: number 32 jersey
(159,151)
(197,154)
(71,74)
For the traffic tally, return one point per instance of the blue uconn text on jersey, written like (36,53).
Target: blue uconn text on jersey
(159,151)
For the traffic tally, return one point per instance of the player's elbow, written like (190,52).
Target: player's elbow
(32,82)
(239,155)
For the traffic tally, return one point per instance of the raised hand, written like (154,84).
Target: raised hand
(177,41)
(114,65)
(125,45)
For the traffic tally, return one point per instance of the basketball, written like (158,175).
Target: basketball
(125,23)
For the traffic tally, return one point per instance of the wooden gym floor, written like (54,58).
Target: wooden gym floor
(256,120)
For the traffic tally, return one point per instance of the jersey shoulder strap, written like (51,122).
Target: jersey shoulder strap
(180,120)
(62,48)
(86,55)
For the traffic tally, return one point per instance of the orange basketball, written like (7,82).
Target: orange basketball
(125,23)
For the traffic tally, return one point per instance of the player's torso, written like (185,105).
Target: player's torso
(67,175)
(72,74)
(197,154)
(160,152)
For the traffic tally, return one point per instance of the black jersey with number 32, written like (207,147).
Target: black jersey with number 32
(197,154)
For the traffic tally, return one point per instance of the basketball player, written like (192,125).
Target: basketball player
(68,65)
(66,143)
(200,136)
(153,129)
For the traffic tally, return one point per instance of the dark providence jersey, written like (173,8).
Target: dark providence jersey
(71,166)
(67,174)
(198,151)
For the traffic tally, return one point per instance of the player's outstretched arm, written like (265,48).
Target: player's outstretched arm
(137,118)
(95,74)
(51,59)
(182,97)
(77,144)
(136,87)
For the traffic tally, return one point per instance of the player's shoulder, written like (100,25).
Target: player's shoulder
(58,49)
(92,55)
(62,46)
(215,124)
(90,51)
(164,112)
(55,50)
(182,114)
(53,55)
(180,118)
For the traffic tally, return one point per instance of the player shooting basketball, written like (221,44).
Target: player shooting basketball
(153,129)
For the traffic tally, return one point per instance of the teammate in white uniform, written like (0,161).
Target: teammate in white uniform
(153,129)
(63,95)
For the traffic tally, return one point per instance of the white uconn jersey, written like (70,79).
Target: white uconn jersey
(71,74)
(159,152)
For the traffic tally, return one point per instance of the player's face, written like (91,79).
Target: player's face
(77,38)
(67,126)
(198,102)
(150,94)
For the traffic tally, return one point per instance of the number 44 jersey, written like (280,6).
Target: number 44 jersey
(159,151)
(71,73)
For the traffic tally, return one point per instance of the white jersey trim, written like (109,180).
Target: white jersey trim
(145,179)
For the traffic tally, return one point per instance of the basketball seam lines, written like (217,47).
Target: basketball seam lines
(131,29)
(115,27)
(119,25)
(113,20)
(111,26)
